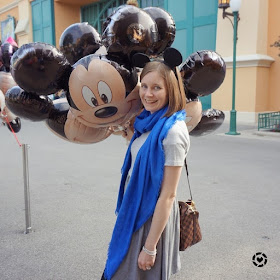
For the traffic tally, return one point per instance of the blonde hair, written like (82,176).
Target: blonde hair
(173,84)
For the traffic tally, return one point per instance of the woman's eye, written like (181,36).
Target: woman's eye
(89,97)
(157,88)
(104,92)
(143,86)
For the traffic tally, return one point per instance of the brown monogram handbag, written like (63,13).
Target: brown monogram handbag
(190,232)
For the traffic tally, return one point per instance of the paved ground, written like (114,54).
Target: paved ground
(73,190)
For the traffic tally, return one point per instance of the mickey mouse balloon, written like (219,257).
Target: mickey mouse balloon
(102,91)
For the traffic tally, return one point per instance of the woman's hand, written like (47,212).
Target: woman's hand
(145,261)
(126,131)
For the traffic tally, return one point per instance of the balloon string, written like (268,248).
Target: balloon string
(7,121)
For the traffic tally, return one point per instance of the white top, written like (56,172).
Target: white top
(175,145)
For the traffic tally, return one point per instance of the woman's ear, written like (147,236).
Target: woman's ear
(140,60)
(172,57)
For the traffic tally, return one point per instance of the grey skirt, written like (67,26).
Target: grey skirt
(167,259)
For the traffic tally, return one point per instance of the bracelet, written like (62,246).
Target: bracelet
(150,253)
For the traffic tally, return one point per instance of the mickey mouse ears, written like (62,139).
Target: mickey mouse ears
(140,60)
(171,57)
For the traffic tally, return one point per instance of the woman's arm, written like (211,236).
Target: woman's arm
(162,211)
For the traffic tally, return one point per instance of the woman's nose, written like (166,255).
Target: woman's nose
(149,92)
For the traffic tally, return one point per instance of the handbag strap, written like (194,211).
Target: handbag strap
(188,177)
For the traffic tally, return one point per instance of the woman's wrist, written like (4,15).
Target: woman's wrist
(149,252)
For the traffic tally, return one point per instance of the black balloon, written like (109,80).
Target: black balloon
(129,29)
(40,68)
(58,116)
(202,72)
(166,28)
(79,40)
(6,52)
(211,120)
(27,105)
(2,67)
(15,125)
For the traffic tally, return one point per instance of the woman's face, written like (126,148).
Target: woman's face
(153,92)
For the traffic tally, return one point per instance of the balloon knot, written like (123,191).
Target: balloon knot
(133,3)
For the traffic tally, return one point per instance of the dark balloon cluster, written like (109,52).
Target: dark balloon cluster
(97,76)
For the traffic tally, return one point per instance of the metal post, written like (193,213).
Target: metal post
(26,188)
(232,129)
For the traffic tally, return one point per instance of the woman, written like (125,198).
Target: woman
(145,240)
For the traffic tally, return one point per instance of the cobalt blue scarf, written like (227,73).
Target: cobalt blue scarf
(137,205)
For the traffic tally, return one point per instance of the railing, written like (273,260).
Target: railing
(269,121)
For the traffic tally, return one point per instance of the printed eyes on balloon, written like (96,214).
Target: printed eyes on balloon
(104,92)
(104,98)
(94,101)
(89,97)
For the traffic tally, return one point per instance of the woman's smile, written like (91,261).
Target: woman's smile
(150,101)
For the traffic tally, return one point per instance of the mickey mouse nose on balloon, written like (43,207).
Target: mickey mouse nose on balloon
(106,112)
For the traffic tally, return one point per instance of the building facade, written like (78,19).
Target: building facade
(199,25)
(258,64)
